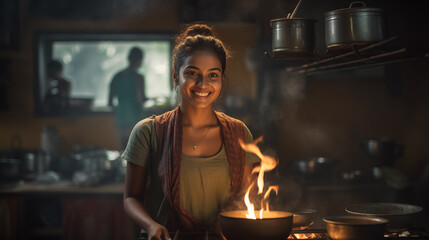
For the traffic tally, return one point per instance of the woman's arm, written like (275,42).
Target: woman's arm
(135,182)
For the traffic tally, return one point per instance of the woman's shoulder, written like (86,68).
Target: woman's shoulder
(236,122)
(228,118)
(145,125)
(149,122)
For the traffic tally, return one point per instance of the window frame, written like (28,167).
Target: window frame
(43,50)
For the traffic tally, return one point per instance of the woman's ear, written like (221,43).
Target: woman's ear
(174,77)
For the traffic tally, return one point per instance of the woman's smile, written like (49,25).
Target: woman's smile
(200,94)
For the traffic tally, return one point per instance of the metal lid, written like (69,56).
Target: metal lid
(292,19)
(353,10)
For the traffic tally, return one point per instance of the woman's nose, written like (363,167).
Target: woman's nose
(201,81)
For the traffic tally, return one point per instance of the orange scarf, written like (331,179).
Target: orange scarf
(169,129)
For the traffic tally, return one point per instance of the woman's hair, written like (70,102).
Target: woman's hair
(197,37)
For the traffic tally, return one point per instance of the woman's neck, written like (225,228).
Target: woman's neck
(197,117)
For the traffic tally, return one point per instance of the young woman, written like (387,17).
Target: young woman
(185,165)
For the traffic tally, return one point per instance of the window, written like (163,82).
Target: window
(90,60)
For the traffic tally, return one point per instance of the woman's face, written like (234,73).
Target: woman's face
(200,79)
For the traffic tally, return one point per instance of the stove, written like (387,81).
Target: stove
(321,234)
(312,234)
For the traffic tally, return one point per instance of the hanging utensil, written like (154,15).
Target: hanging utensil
(294,11)
(293,37)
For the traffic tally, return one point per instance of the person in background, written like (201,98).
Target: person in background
(127,86)
(58,94)
(185,165)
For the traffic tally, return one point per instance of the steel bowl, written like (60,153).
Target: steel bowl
(355,227)
(303,218)
(275,225)
(400,216)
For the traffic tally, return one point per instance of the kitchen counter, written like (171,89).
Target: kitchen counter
(65,211)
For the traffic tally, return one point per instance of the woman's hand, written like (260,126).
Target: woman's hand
(158,232)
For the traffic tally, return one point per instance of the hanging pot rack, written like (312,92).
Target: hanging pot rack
(357,57)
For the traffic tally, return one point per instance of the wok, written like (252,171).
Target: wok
(275,225)
(355,227)
(400,216)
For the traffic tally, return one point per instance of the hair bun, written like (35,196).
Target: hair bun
(195,30)
(199,29)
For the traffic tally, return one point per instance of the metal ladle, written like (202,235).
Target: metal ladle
(289,15)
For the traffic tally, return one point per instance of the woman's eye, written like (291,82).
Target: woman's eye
(191,73)
(213,75)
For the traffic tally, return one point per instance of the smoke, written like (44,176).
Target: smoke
(281,90)
(293,86)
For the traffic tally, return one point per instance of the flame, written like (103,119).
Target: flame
(305,235)
(250,206)
(267,164)
(267,194)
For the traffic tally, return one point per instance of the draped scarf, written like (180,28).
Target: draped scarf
(169,130)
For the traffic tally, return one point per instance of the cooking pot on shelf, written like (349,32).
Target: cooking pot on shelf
(384,150)
(292,37)
(23,164)
(97,166)
(315,170)
(275,225)
(354,26)
(10,173)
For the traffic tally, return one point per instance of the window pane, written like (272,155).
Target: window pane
(90,66)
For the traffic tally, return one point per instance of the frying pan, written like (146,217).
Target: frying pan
(355,227)
(303,218)
(400,216)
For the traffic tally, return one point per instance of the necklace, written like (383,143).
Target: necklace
(194,145)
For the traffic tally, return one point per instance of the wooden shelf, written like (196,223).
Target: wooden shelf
(389,51)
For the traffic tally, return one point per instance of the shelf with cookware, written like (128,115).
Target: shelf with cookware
(373,55)
(355,37)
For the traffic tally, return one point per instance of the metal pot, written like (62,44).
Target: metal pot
(354,25)
(384,150)
(97,166)
(400,216)
(303,218)
(31,162)
(293,36)
(10,173)
(275,225)
(355,227)
(315,167)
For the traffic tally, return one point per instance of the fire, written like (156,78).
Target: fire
(305,235)
(267,164)
(250,206)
